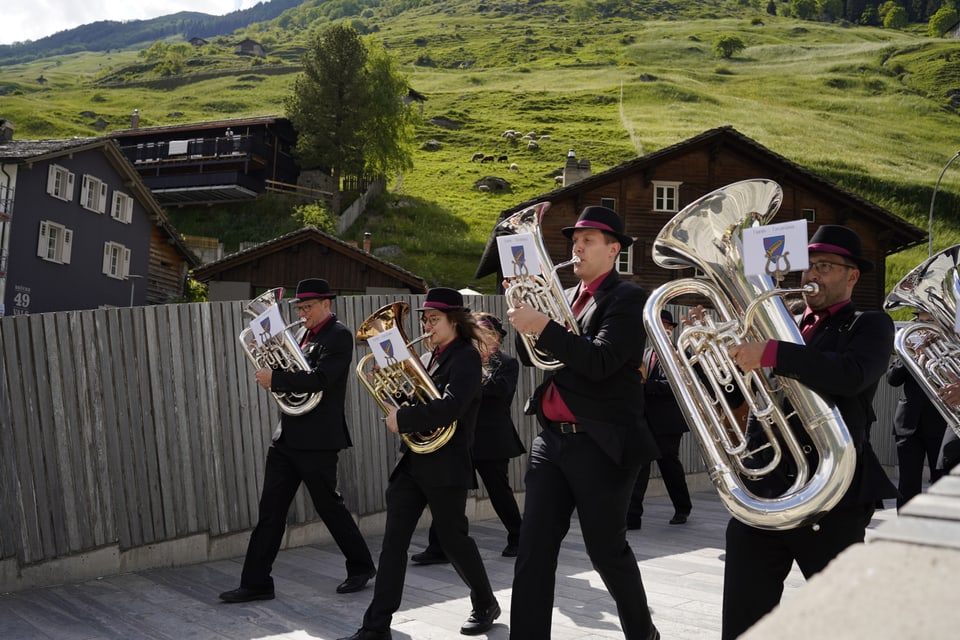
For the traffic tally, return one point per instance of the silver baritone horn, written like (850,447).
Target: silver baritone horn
(401,383)
(706,235)
(281,351)
(542,292)
(931,350)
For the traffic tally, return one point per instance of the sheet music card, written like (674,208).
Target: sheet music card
(388,347)
(518,255)
(775,247)
(268,324)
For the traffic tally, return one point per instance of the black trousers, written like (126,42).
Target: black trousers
(567,472)
(406,500)
(912,451)
(758,561)
(674,478)
(495,477)
(285,469)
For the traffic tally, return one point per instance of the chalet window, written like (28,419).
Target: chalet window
(810,215)
(93,194)
(122,209)
(59,182)
(609,203)
(625,260)
(666,196)
(54,242)
(116,260)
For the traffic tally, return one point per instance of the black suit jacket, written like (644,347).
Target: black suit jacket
(329,353)
(844,362)
(457,377)
(601,382)
(663,413)
(915,412)
(496,435)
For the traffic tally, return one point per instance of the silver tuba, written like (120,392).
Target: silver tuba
(931,350)
(402,383)
(542,292)
(706,235)
(282,351)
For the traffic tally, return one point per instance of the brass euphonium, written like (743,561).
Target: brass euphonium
(706,235)
(931,350)
(542,292)
(282,351)
(401,383)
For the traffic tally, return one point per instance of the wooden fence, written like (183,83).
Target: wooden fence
(121,429)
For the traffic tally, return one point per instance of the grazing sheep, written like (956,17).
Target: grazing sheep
(501,158)
(515,167)
(477,156)
(486,159)
(545,137)
(533,146)
(483,188)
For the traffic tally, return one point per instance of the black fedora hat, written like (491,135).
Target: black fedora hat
(313,289)
(841,241)
(604,219)
(667,317)
(491,321)
(443,299)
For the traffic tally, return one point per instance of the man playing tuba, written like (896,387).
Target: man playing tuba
(305,450)
(845,356)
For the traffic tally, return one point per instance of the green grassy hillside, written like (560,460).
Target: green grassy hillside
(867,108)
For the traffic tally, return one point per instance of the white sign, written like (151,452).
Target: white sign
(388,347)
(518,255)
(268,324)
(777,247)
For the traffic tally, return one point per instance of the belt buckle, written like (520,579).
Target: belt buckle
(568,427)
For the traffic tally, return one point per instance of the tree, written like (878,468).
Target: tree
(348,111)
(942,20)
(727,46)
(896,18)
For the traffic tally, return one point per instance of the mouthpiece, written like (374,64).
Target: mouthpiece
(811,289)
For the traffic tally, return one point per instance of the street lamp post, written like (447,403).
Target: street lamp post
(133,281)
(932,200)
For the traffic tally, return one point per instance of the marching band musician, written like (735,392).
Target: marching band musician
(593,439)
(845,356)
(439,479)
(496,439)
(305,450)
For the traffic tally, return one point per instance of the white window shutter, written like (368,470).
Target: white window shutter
(83,191)
(126,263)
(106,258)
(42,241)
(67,243)
(102,204)
(52,179)
(69,193)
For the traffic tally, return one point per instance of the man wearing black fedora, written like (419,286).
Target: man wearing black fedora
(844,357)
(668,426)
(305,450)
(593,437)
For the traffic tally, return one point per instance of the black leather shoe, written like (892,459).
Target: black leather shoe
(369,634)
(679,518)
(428,557)
(480,621)
(509,551)
(242,594)
(355,583)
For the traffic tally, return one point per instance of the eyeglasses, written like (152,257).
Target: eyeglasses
(304,309)
(431,319)
(824,267)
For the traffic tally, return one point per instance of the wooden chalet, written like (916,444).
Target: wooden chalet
(305,253)
(651,189)
(212,162)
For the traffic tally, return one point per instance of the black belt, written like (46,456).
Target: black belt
(566,428)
